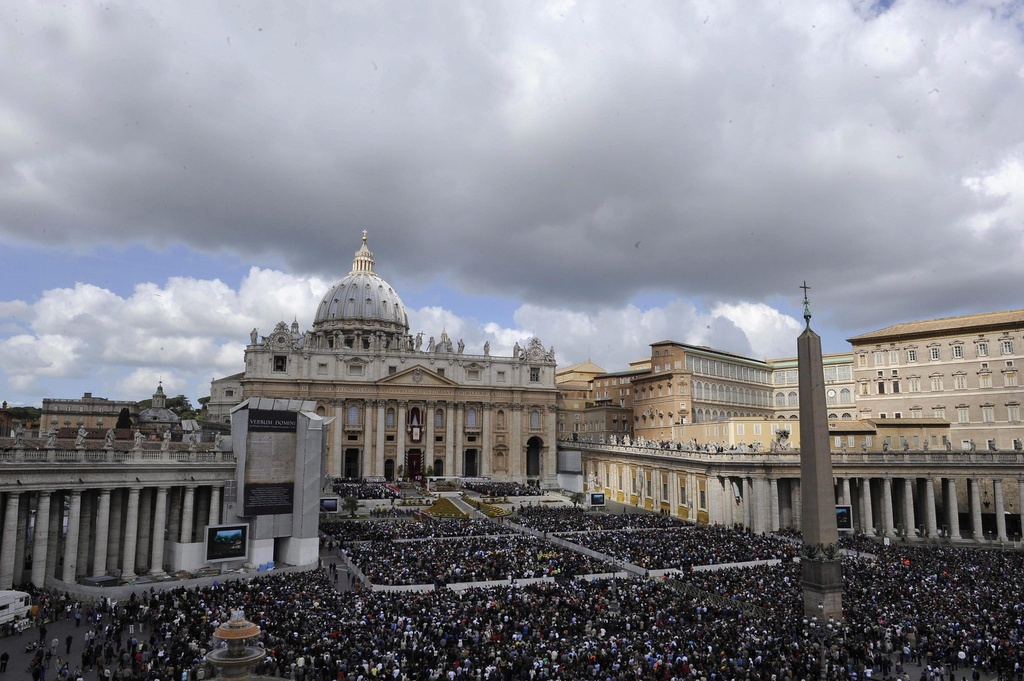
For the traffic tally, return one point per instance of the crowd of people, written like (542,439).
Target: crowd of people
(468,559)
(365,489)
(577,519)
(347,531)
(490,488)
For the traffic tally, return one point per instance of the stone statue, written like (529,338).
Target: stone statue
(139,439)
(218,442)
(80,440)
(516,350)
(51,438)
(487,348)
(431,346)
(108,439)
(926,445)
(973,447)
(166,444)
(193,442)
(419,342)
(253,336)
(462,346)
(19,437)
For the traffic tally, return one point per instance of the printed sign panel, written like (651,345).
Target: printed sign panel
(270,462)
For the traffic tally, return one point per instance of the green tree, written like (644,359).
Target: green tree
(350,504)
(124,419)
(577,498)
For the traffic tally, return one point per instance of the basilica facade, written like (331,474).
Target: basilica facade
(404,405)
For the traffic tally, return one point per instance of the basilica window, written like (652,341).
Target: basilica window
(535,419)
(534,374)
(389,418)
(471,418)
(439,418)
(352,415)
(280,362)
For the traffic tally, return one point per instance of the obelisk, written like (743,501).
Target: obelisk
(821,567)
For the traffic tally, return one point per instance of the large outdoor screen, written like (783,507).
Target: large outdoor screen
(597,499)
(328,504)
(226,542)
(844,518)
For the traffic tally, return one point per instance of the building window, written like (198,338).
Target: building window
(793,400)
(988,413)
(321,369)
(938,412)
(352,417)
(280,363)
(439,418)
(960,382)
(879,359)
(915,384)
(962,415)
(958,351)
(534,374)
(389,418)
(911,355)
(473,374)
(1006,347)
(933,354)
(895,387)
(229,393)
(1010,379)
(682,495)
(984,380)
(936,383)
(535,419)
(392,371)
(440,372)
(862,360)
(501,377)
(1013,412)
(894,357)
(471,418)
(981,349)
(355,369)
(881,387)
(915,412)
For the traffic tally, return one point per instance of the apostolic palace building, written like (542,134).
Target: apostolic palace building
(924,423)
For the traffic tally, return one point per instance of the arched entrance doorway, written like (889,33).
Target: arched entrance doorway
(533,448)
(389,469)
(414,463)
(438,467)
(470,468)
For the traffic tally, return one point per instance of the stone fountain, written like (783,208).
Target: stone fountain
(236,660)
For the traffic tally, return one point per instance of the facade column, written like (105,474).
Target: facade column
(85,533)
(953,504)
(40,540)
(215,505)
(401,459)
(773,500)
(22,538)
(549,423)
(449,439)
(908,507)
(428,448)
(997,492)
(798,505)
(1020,503)
(99,562)
(515,447)
(930,521)
(888,523)
(975,501)
(485,441)
(187,514)
(460,429)
(368,460)
(71,542)
(145,528)
(131,534)
(867,512)
(9,540)
(378,455)
(847,497)
(159,527)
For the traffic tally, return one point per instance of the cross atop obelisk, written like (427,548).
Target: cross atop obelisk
(821,567)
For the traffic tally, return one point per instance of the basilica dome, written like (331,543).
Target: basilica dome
(361,300)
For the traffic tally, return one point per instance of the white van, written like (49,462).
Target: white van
(14,605)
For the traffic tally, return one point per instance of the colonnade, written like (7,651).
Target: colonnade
(68,534)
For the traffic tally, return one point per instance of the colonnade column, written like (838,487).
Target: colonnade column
(867,513)
(908,507)
(187,512)
(145,527)
(975,501)
(773,493)
(131,533)
(367,459)
(99,561)
(888,527)
(997,492)
(88,522)
(930,523)
(9,539)
(56,521)
(847,498)
(215,505)
(515,447)
(797,501)
(114,547)
(71,542)
(40,540)
(159,526)
(1020,502)
(953,504)
(459,441)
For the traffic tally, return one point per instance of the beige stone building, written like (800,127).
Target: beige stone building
(401,406)
(964,370)
(87,411)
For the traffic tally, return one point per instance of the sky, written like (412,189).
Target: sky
(601,175)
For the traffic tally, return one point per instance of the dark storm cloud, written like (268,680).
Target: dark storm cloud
(568,155)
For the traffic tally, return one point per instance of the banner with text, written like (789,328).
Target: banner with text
(270,462)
